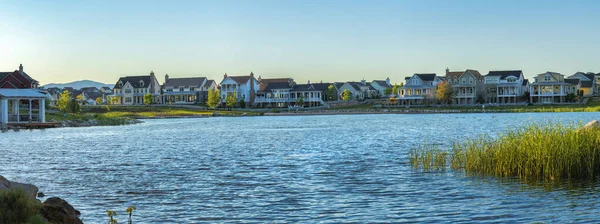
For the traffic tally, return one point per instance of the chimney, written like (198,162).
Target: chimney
(259,79)
(363,82)
(447,70)
(309,82)
(387,81)
(151,84)
(21,68)
(251,90)
(225,76)
(166,78)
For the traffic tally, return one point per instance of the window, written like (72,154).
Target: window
(547,78)
(192,89)
(169,90)
(127,90)
(464,81)
(180,89)
(128,99)
(471,80)
(141,83)
(120,84)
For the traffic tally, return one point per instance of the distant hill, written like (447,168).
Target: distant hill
(79,84)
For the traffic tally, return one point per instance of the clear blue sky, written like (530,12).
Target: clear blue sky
(62,41)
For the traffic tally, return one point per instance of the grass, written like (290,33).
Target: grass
(536,152)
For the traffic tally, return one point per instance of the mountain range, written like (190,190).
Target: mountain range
(79,84)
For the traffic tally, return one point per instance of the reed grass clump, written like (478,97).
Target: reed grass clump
(535,152)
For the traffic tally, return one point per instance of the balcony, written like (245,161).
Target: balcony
(411,97)
(285,100)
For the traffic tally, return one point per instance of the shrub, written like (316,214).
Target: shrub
(16,207)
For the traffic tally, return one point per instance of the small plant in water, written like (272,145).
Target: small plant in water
(112,215)
(129,211)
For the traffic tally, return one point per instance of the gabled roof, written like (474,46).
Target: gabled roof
(240,79)
(572,81)
(382,83)
(93,95)
(525,82)
(321,86)
(4,74)
(273,86)
(105,88)
(303,87)
(429,77)
(504,74)
(187,82)
(454,75)
(89,89)
(476,73)
(338,85)
(587,84)
(135,81)
(209,83)
(11,93)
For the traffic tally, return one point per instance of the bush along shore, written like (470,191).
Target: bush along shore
(18,204)
(549,152)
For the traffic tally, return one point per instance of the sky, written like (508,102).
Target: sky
(328,40)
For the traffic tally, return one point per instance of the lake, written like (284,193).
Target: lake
(343,168)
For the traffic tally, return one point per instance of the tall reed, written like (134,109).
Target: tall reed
(547,152)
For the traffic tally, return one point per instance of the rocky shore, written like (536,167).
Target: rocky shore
(95,122)
(53,209)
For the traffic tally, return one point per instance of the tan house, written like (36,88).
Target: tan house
(465,86)
(552,87)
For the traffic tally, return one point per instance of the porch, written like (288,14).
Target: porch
(19,106)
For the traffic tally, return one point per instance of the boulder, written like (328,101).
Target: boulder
(592,125)
(29,189)
(57,210)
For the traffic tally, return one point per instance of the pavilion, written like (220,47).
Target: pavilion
(12,101)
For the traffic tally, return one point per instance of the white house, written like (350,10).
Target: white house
(418,88)
(505,87)
(359,90)
(186,90)
(244,86)
(130,90)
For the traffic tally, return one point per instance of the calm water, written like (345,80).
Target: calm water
(283,169)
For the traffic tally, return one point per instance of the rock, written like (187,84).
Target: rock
(29,189)
(41,195)
(57,210)
(592,125)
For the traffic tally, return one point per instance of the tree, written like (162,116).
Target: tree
(114,100)
(388,91)
(47,103)
(148,99)
(300,101)
(63,101)
(214,98)
(525,96)
(346,95)
(79,97)
(444,92)
(73,106)
(330,92)
(242,103)
(98,100)
(480,98)
(231,100)
(571,97)
(396,88)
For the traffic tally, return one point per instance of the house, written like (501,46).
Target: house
(465,85)
(285,92)
(90,97)
(525,87)
(245,88)
(324,89)
(185,90)
(505,87)
(381,86)
(18,91)
(359,90)
(552,87)
(130,90)
(418,88)
(275,92)
(53,95)
(106,90)
(17,79)
(588,82)
(89,90)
